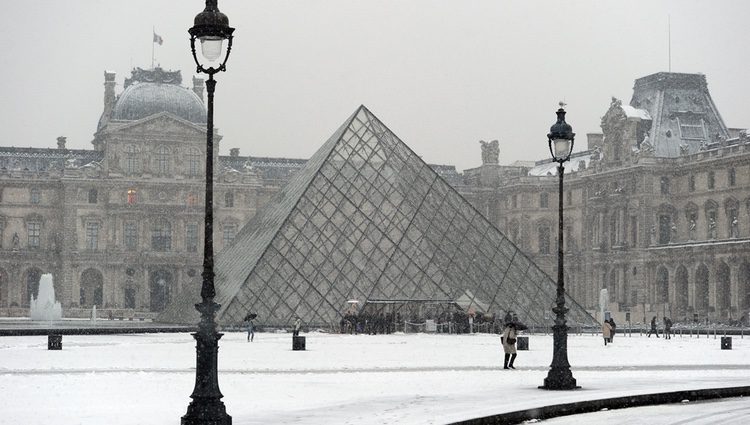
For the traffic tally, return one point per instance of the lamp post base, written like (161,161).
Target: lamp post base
(559,379)
(206,412)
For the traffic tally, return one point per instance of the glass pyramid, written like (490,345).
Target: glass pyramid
(366,221)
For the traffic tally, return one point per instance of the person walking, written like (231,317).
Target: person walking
(509,345)
(606,332)
(297,327)
(667,328)
(250,330)
(653,328)
(613,325)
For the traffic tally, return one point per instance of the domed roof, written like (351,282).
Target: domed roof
(150,92)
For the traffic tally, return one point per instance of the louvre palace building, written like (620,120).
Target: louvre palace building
(657,206)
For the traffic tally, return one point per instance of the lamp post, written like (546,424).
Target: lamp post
(211,27)
(560,139)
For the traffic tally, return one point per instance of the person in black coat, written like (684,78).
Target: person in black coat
(653,328)
(614,328)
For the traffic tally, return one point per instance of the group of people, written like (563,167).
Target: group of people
(667,328)
(609,327)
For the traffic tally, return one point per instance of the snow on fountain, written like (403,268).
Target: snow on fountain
(44,306)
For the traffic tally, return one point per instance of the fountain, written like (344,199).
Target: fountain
(44,306)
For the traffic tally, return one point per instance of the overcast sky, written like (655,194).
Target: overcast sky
(441,74)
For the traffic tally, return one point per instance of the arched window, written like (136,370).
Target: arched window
(543,231)
(662,285)
(161,235)
(92,288)
(723,293)
(701,289)
(132,196)
(32,285)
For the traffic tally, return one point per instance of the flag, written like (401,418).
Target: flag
(158,39)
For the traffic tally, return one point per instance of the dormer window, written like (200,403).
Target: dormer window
(692,127)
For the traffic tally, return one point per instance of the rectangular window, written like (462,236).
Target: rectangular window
(131,196)
(230,230)
(34,230)
(691,127)
(634,230)
(191,237)
(665,186)
(732,177)
(570,198)
(544,200)
(229,199)
(92,235)
(514,201)
(711,179)
(35,197)
(130,233)
(691,183)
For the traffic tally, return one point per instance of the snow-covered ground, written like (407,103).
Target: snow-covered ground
(341,379)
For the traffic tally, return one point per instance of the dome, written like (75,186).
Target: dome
(142,99)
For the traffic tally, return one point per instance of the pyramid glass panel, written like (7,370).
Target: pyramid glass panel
(367,222)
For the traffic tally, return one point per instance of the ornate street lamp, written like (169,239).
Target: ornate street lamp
(560,140)
(211,27)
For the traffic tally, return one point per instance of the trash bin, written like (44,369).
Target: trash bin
(54,342)
(726,343)
(522,343)
(298,343)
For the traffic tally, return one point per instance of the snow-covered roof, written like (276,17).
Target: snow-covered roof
(550,168)
(632,112)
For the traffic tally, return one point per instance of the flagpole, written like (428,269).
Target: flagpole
(153,31)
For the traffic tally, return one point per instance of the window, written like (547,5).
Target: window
(230,230)
(665,185)
(634,230)
(132,198)
(35,196)
(711,179)
(162,160)
(92,196)
(711,224)
(732,177)
(193,162)
(34,230)
(544,239)
(569,201)
(92,235)
(2,229)
(191,237)
(544,200)
(129,297)
(665,229)
(514,201)
(161,236)
(691,183)
(229,199)
(192,199)
(130,232)
(131,159)
(691,127)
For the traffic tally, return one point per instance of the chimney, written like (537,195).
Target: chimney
(198,87)
(234,152)
(61,142)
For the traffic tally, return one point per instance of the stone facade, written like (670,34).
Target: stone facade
(657,208)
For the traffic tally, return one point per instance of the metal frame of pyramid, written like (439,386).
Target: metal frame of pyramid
(367,219)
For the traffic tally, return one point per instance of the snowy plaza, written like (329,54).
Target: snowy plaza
(345,379)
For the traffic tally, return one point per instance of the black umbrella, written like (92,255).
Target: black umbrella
(250,316)
(520,326)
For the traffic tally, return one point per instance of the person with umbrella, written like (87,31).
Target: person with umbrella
(509,344)
(250,327)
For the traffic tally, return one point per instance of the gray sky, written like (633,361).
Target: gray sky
(441,74)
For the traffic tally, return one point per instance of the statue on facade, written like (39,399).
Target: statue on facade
(703,146)
(692,228)
(712,228)
(16,241)
(596,153)
(684,149)
(734,231)
(647,148)
(490,152)
(652,234)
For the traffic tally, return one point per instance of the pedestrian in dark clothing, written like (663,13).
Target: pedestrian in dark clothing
(614,329)
(297,327)
(667,328)
(653,328)
(509,345)
(250,331)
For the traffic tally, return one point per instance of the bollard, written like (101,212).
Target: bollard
(54,342)
(522,343)
(726,343)
(298,343)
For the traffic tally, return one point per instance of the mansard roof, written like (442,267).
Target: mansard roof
(45,159)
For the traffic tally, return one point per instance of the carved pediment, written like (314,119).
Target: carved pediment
(162,123)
